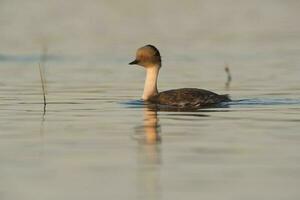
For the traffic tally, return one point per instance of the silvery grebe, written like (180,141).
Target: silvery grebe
(149,57)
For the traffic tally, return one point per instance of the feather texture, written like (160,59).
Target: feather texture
(188,97)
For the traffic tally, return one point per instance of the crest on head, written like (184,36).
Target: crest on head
(147,56)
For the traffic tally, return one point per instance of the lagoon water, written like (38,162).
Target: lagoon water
(96,140)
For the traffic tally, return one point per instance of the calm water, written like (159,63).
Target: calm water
(97,141)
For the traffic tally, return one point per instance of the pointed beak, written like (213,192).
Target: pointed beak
(134,62)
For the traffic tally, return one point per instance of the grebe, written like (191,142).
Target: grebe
(149,57)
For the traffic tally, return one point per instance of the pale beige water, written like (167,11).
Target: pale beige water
(97,142)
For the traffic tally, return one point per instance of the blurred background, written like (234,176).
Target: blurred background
(102,27)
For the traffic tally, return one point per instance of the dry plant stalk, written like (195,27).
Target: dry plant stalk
(43,84)
(43,60)
(229,78)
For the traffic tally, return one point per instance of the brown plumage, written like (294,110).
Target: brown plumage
(149,57)
(188,97)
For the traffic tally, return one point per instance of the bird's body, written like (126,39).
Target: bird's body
(149,57)
(188,97)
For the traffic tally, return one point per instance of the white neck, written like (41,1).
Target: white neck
(150,88)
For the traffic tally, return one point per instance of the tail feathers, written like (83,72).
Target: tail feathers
(225,97)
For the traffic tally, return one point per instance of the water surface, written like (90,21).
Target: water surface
(97,141)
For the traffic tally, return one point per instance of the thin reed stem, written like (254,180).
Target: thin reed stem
(43,85)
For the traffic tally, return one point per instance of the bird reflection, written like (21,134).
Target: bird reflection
(149,156)
(149,148)
(149,132)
